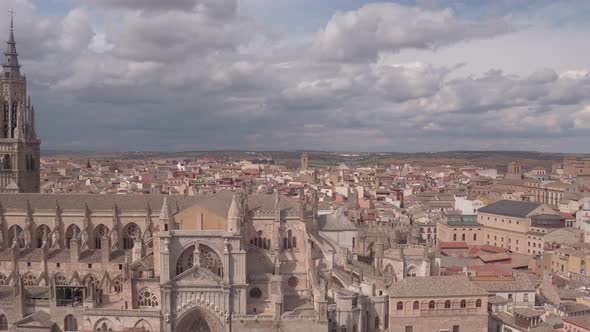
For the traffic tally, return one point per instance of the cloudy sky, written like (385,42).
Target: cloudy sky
(346,75)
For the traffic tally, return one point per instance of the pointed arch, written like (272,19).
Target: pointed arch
(103,325)
(411,272)
(147,299)
(72,232)
(99,232)
(60,279)
(70,323)
(91,280)
(3,323)
(208,258)
(42,234)
(29,279)
(143,325)
(130,232)
(11,235)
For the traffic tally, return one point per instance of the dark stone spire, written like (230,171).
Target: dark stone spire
(11,67)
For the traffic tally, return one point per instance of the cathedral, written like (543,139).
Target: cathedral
(19,146)
(232,261)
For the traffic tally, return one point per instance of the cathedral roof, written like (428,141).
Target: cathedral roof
(100,202)
(336,221)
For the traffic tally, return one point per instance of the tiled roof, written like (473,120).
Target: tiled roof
(510,208)
(449,286)
(580,321)
(100,202)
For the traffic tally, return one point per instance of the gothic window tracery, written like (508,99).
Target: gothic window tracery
(118,285)
(130,233)
(289,241)
(15,230)
(208,259)
(71,232)
(41,234)
(29,279)
(60,280)
(99,232)
(147,299)
(260,241)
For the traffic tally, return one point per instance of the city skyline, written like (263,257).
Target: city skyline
(338,76)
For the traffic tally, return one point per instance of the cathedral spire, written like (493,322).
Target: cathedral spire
(11,67)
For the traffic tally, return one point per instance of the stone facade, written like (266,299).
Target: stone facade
(19,146)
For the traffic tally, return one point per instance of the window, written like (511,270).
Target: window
(463,304)
(409,329)
(3,323)
(463,237)
(376,322)
(70,323)
(400,305)
(474,237)
(525,297)
(478,303)
(510,297)
(447,304)
(431,305)
(455,328)
(255,293)
(416,305)
(454,237)
(147,299)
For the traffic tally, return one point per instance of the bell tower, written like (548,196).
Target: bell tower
(19,146)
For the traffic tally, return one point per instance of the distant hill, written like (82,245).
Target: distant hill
(496,159)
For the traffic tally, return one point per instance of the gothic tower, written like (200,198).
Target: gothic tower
(19,146)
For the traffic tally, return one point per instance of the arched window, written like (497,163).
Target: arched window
(147,299)
(42,234)
(463,304)
(70,323)
(99,232)
(72,232)
(3,323)
(130,232)
(474,237)
(478,303)
(447,304)
(208,259)
(411,271)
(3,280)
(255,293)
(60,280)
(290,239)
(376,322)
(454,237)
(463,237)
(400,305)
(29,279)
(431,305)
(6,163)
(92,281)
(14,236)
(118,285)
(416,305)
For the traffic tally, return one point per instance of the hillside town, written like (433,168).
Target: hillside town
(402,241)
(290,239)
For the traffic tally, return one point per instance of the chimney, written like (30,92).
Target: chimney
(105,247)
(136,252)
(75,249)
